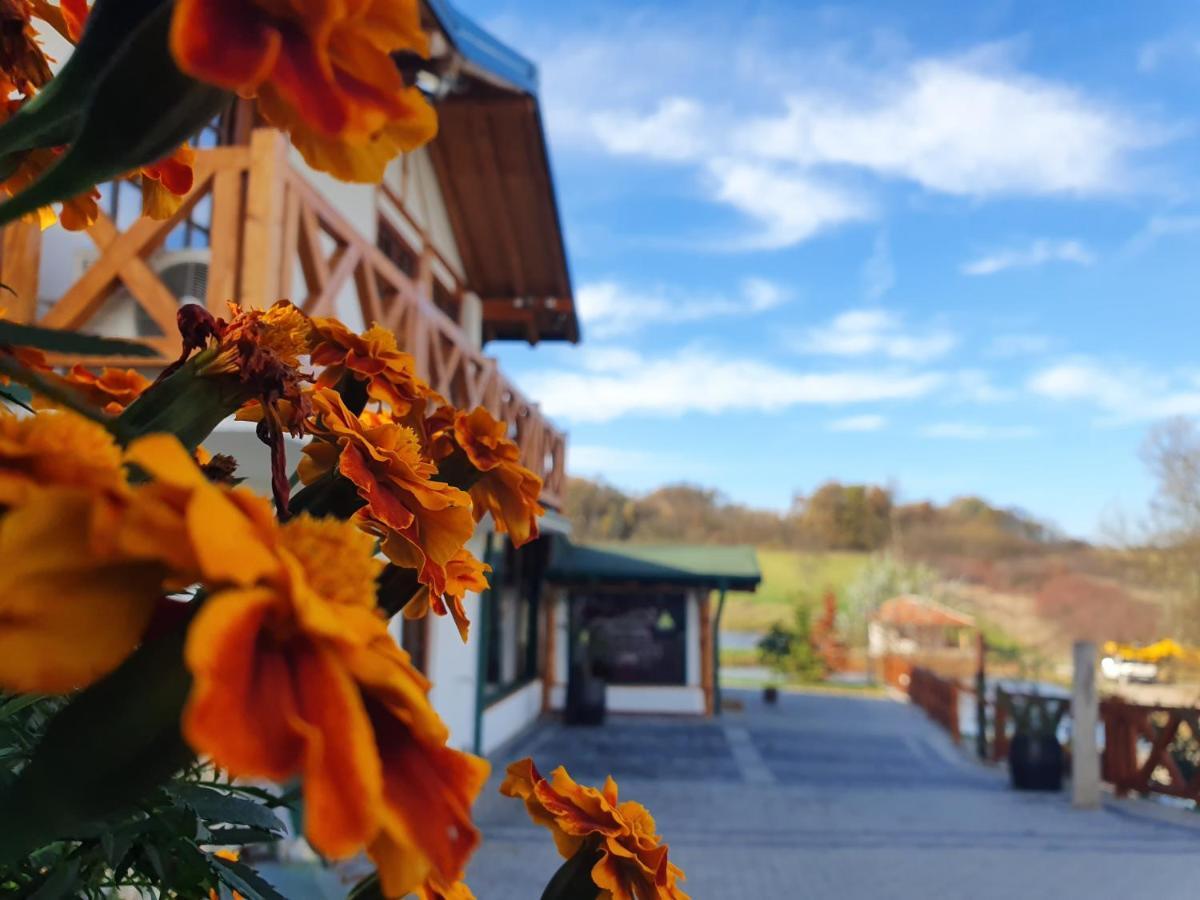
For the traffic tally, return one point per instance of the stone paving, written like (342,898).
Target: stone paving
(838,797)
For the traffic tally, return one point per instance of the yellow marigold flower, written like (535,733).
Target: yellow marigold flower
(632,863)
(322,71)
(464,573)
(166,182)
(373,357)
(55,449)
(433,889)
(506,489)
(424,522)
(111,390)
(71,607)
(297,675)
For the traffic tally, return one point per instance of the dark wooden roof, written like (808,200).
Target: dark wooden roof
(493,166)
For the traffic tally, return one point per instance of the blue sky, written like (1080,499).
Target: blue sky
(948,246)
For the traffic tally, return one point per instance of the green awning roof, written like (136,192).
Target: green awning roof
(686,565)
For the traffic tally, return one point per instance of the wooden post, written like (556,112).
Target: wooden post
(20,259)
(1085,756)
(706,657)
(716,652)
(262,249)
(981,743)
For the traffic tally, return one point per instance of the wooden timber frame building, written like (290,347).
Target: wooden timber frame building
(460,246)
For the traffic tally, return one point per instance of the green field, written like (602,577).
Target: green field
(789,577)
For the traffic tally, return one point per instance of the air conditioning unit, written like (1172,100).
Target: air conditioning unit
(183,272)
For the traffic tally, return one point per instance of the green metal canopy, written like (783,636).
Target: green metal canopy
(688,565)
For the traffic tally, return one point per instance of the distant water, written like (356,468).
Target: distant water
(740,640)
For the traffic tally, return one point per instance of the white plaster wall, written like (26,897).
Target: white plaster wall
(412,179)
(505,719)
(453,665)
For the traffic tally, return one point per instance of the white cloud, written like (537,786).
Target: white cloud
(1162,226)
(696,381)
(609,308)
(1182,48)
(1036,253)
(789,205)
(975,431)
(1124,393)
(975,386)
(799,136)
(1005,346)
(879,272)
(875,332)
(869,422)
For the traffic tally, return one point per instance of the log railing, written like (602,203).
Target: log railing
(275,235)
(936,695)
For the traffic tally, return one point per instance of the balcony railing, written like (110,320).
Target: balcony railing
(268,224)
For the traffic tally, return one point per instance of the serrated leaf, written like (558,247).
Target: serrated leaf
(143,108)
(112,744)
(237,836)
(57,340)
(53,116)
(60,884)
(244,879)
(217,807)
(14,705)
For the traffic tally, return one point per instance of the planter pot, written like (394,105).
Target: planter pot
(1035,763)
(771,695)
(586,700)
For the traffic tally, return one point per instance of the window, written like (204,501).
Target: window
(633,637)
(511,624)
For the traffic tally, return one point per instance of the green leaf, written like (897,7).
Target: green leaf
(244,879)
(218,807)
(110,746)
(367,889)
(185,404)
(60,885)
(14,705)
(57,340)
(573,880)
(53,116)
(142,109)
(239,836)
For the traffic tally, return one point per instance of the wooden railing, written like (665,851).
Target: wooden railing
(268,225)
(1151,749)
(936,695)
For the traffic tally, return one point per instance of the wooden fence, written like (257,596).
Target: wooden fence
(936,695)
(1147,749)
(268,223)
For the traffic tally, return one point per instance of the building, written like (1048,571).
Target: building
(908,631)
(459,247)
(647,617)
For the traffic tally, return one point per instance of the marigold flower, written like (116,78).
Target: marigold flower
(373,357)
(463,573)
(71,607)
(23,64)
(322,71)
(111,389)
(433,889)
(167,182)
(424,522)
(55,449)
(506,489)
(632,863)
(297,675)
(77,213)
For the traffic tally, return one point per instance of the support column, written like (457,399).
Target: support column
(1085,711)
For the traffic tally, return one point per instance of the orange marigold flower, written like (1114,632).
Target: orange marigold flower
(67,18)
(23,64)
(111,390)
(322,71)
(632,862)
(55,449)
(373,357)
(464,573)
(297,675)
(506,489)
(424,522)
(167,182)
(433,889)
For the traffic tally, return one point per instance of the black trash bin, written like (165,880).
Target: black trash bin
(1035,762)
(586,689)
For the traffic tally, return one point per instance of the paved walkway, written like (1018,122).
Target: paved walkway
(839,797)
